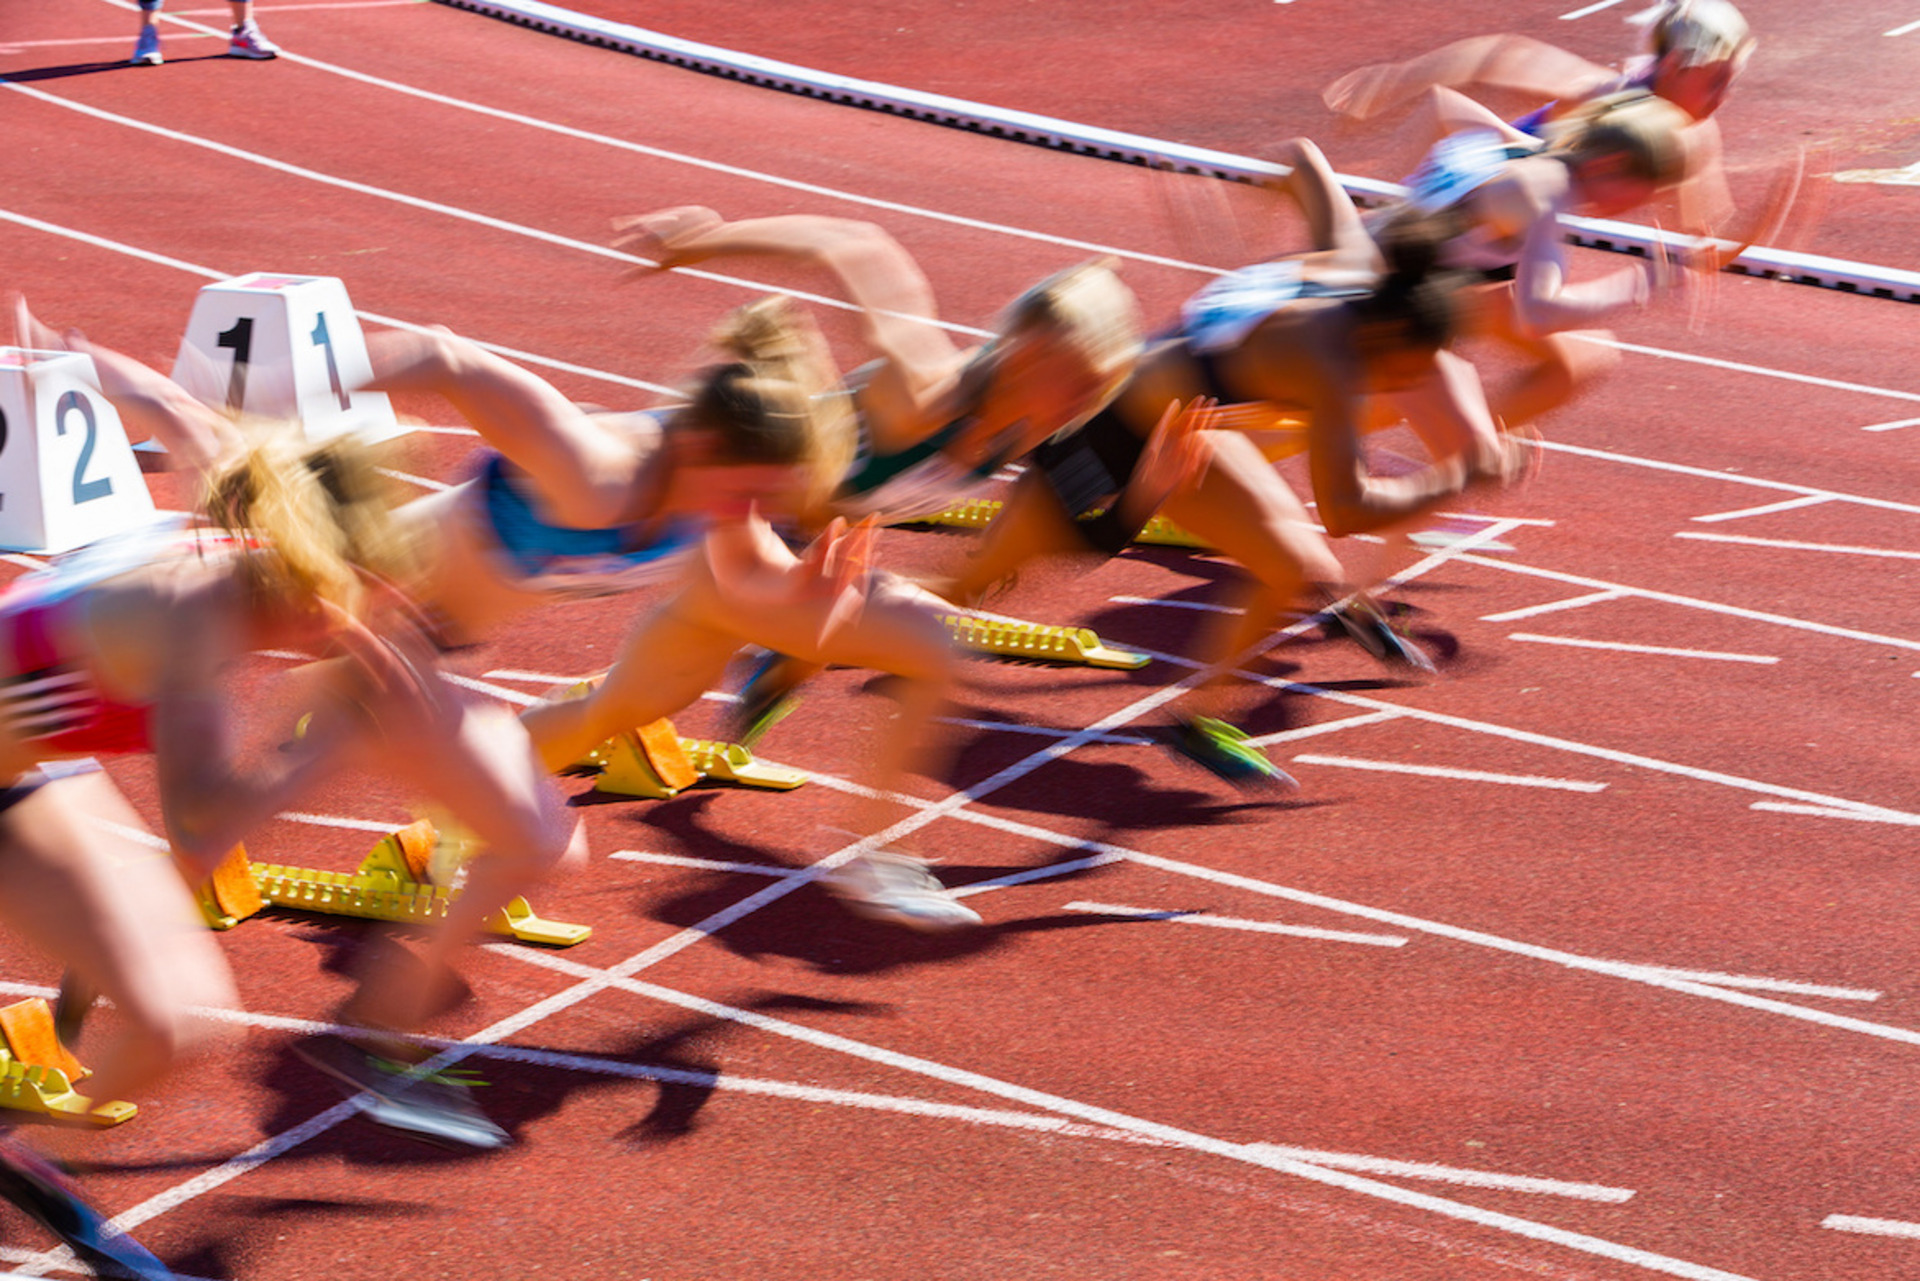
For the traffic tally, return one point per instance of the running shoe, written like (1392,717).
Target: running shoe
(768,697)
(898,890)
(247,42)
(38,1187)
(1224,751)
(146,50)
(437,1108)
(1368,628)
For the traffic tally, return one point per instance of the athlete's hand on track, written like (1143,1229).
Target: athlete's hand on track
(662,236)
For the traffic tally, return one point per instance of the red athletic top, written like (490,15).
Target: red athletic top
(53,699)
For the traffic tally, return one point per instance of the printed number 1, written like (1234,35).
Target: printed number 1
(322,341)
(238,340)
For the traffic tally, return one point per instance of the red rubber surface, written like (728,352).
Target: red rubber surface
(1099,1073)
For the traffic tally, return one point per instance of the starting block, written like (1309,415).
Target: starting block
(37,1072)
(67,474)
(654,761)
(978,513)
(1038,642)
(391,884)
(283,346)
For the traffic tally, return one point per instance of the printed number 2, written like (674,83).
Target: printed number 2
(84,491)
(324,343)
(238,340)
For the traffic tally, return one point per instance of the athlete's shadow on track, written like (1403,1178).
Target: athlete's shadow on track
(810,926)
(32,74)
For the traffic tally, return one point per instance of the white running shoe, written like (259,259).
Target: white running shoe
(146,50)
(899,891)
(247,42)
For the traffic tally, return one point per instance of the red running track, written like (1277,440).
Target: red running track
(1526,1068)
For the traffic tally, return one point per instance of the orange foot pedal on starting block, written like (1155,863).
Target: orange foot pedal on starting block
(37,1072)
(655,761)
(393,883)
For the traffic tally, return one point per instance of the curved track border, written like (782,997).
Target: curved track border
(1107,144)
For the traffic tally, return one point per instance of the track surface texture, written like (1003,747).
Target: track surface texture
(1591,959)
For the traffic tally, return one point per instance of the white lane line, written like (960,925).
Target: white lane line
(549,362)
(1853,1222)
(1450,1174)
(1785,505)
(1830,811)
(1047,872)
(1901,31)
(657,153)
(1554,606)
(907,1105)
(705,864)
(25,562)
(1324,727)
(1181,917)
(758,286)
(433,206)
(1251,1154)
(1894,426)
(1044,731)
(208,273)
(1596,7)
(1651,976)
(1625,648)
(1843,549)
(438,486)
(1731,478)
(1736,366)
(1690,602)
(1632,759)
(1050,871)
(1198,605)
(349,824)
(1442,771)
(533,678)
(488,688)
(1751,983)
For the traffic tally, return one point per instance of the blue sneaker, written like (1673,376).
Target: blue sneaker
(146,50)
(38,1187)
(1223,750)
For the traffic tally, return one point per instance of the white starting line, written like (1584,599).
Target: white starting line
(1442,771)
(1183,917)
(1624,647)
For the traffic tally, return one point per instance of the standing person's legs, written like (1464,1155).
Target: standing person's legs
(246,40)
(146,49)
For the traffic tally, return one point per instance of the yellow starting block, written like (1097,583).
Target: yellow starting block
(978,513)
(390,885)
(655,761)
(37,1072)
(1037,642)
